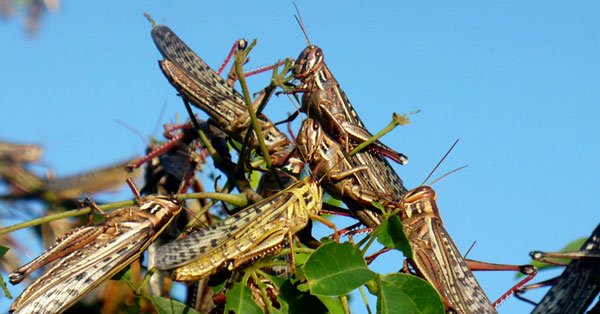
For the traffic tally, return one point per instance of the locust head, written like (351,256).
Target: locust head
(309,138)
(420,201)
(308,62)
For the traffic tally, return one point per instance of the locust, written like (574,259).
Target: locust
(579,284)
(253,232)
(436,258)
(26,184)
(205,89)
(355,185)
(88,182)
(324,100)
(87,256)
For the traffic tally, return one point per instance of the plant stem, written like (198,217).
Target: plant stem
(239,200)
(397,120)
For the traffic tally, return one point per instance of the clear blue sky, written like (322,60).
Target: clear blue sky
(517,83)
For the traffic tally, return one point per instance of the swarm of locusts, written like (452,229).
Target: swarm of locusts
(253,250)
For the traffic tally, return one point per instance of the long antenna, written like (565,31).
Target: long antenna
(301,23)
(440,162)
(447,174)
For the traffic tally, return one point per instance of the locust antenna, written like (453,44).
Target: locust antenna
(439,162)
(447,174)
(470,248)
(136,132)
(301,23)
(131,129)
(160,116)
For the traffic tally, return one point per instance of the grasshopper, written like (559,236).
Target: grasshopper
(89,255)
(324,100)
(438,260)
(253,232)
(28,185)
(435,257)
(579,284)
(88,182)
(380,178)
(355,185)
(205,89)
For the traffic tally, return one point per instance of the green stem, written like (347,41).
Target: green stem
(296,250)
(366,247)
(150,19)
(344,299)
(237,200)
(67,214)
(224,164)
(240,57)
(263,292)
(364,297)
(203,139)
(397,119)
(245,278)
(141,288)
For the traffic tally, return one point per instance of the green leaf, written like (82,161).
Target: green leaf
(334,304)
(276,280)
(124,275)
(331,201)
(403,293)
(391,235)
(3,251)
(299,302)
(391,299)
(239,300)
(254,179)
(336,269)
(5,288)
(218,281)
(169,306)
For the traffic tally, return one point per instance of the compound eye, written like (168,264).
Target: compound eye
(242,44)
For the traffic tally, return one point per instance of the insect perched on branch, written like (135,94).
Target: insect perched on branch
(88,255)
(205,89)
(253,232)
(324,100)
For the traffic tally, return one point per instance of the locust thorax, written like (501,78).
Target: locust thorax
(155,205)
(308,62)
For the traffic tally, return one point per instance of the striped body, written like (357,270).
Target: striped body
(579,284)
(205,89)
(325,101)
(255,231)
(89,255)
(356,186)
(435,256)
